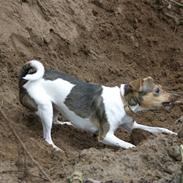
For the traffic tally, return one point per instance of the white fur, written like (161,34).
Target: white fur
(46,92)
(114,107)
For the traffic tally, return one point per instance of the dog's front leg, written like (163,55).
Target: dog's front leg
(111,139)
(45,112)
(151,129)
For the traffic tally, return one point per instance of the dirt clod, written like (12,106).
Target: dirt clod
(175,153)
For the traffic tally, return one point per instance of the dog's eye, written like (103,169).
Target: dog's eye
(157,91)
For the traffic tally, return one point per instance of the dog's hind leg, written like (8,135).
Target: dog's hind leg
(151,129)
(63,123)
(56,121)
(45,112)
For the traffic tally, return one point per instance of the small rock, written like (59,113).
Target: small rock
(179,120)
(170,169)
(174,152)
(76,177)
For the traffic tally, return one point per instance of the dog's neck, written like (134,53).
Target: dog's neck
(124,89)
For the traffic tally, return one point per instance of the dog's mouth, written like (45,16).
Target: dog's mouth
(168,105)
(175,99)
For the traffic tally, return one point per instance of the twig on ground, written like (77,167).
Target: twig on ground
(37,176)
(10,124)
(176,20)
(94,181)
(177,3)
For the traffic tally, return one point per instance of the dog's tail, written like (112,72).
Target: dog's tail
(33,70)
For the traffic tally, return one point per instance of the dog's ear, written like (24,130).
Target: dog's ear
(142,85)
(148,84)
(136,85)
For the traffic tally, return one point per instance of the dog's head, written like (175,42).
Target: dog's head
(148,95)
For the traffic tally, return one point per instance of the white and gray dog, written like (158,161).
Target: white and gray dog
(94,108)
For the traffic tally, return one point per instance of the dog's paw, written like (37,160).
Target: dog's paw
(57,149)
(63,123)
(129,146)
(164,130)
(174,133)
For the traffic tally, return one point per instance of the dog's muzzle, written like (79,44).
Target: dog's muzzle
(171,103)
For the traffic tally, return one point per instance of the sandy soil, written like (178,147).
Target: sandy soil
(106,42)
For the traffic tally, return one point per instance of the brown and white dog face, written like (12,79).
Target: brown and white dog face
(149,95)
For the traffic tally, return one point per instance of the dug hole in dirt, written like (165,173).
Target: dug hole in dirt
(105,42)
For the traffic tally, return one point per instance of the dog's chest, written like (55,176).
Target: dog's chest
(114,108)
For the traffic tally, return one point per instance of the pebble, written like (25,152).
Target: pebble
(179,120)
(174,152)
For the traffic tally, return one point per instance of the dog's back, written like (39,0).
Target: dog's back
(81,97)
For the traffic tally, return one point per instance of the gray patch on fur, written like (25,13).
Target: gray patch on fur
(82,97)
(132,97)
(27,101)
(99,117)
(53,75)
(86,101)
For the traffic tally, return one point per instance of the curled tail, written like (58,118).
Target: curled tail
(33,70)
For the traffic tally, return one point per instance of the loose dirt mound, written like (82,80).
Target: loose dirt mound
(107,42)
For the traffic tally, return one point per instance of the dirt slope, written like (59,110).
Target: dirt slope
(107,42)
